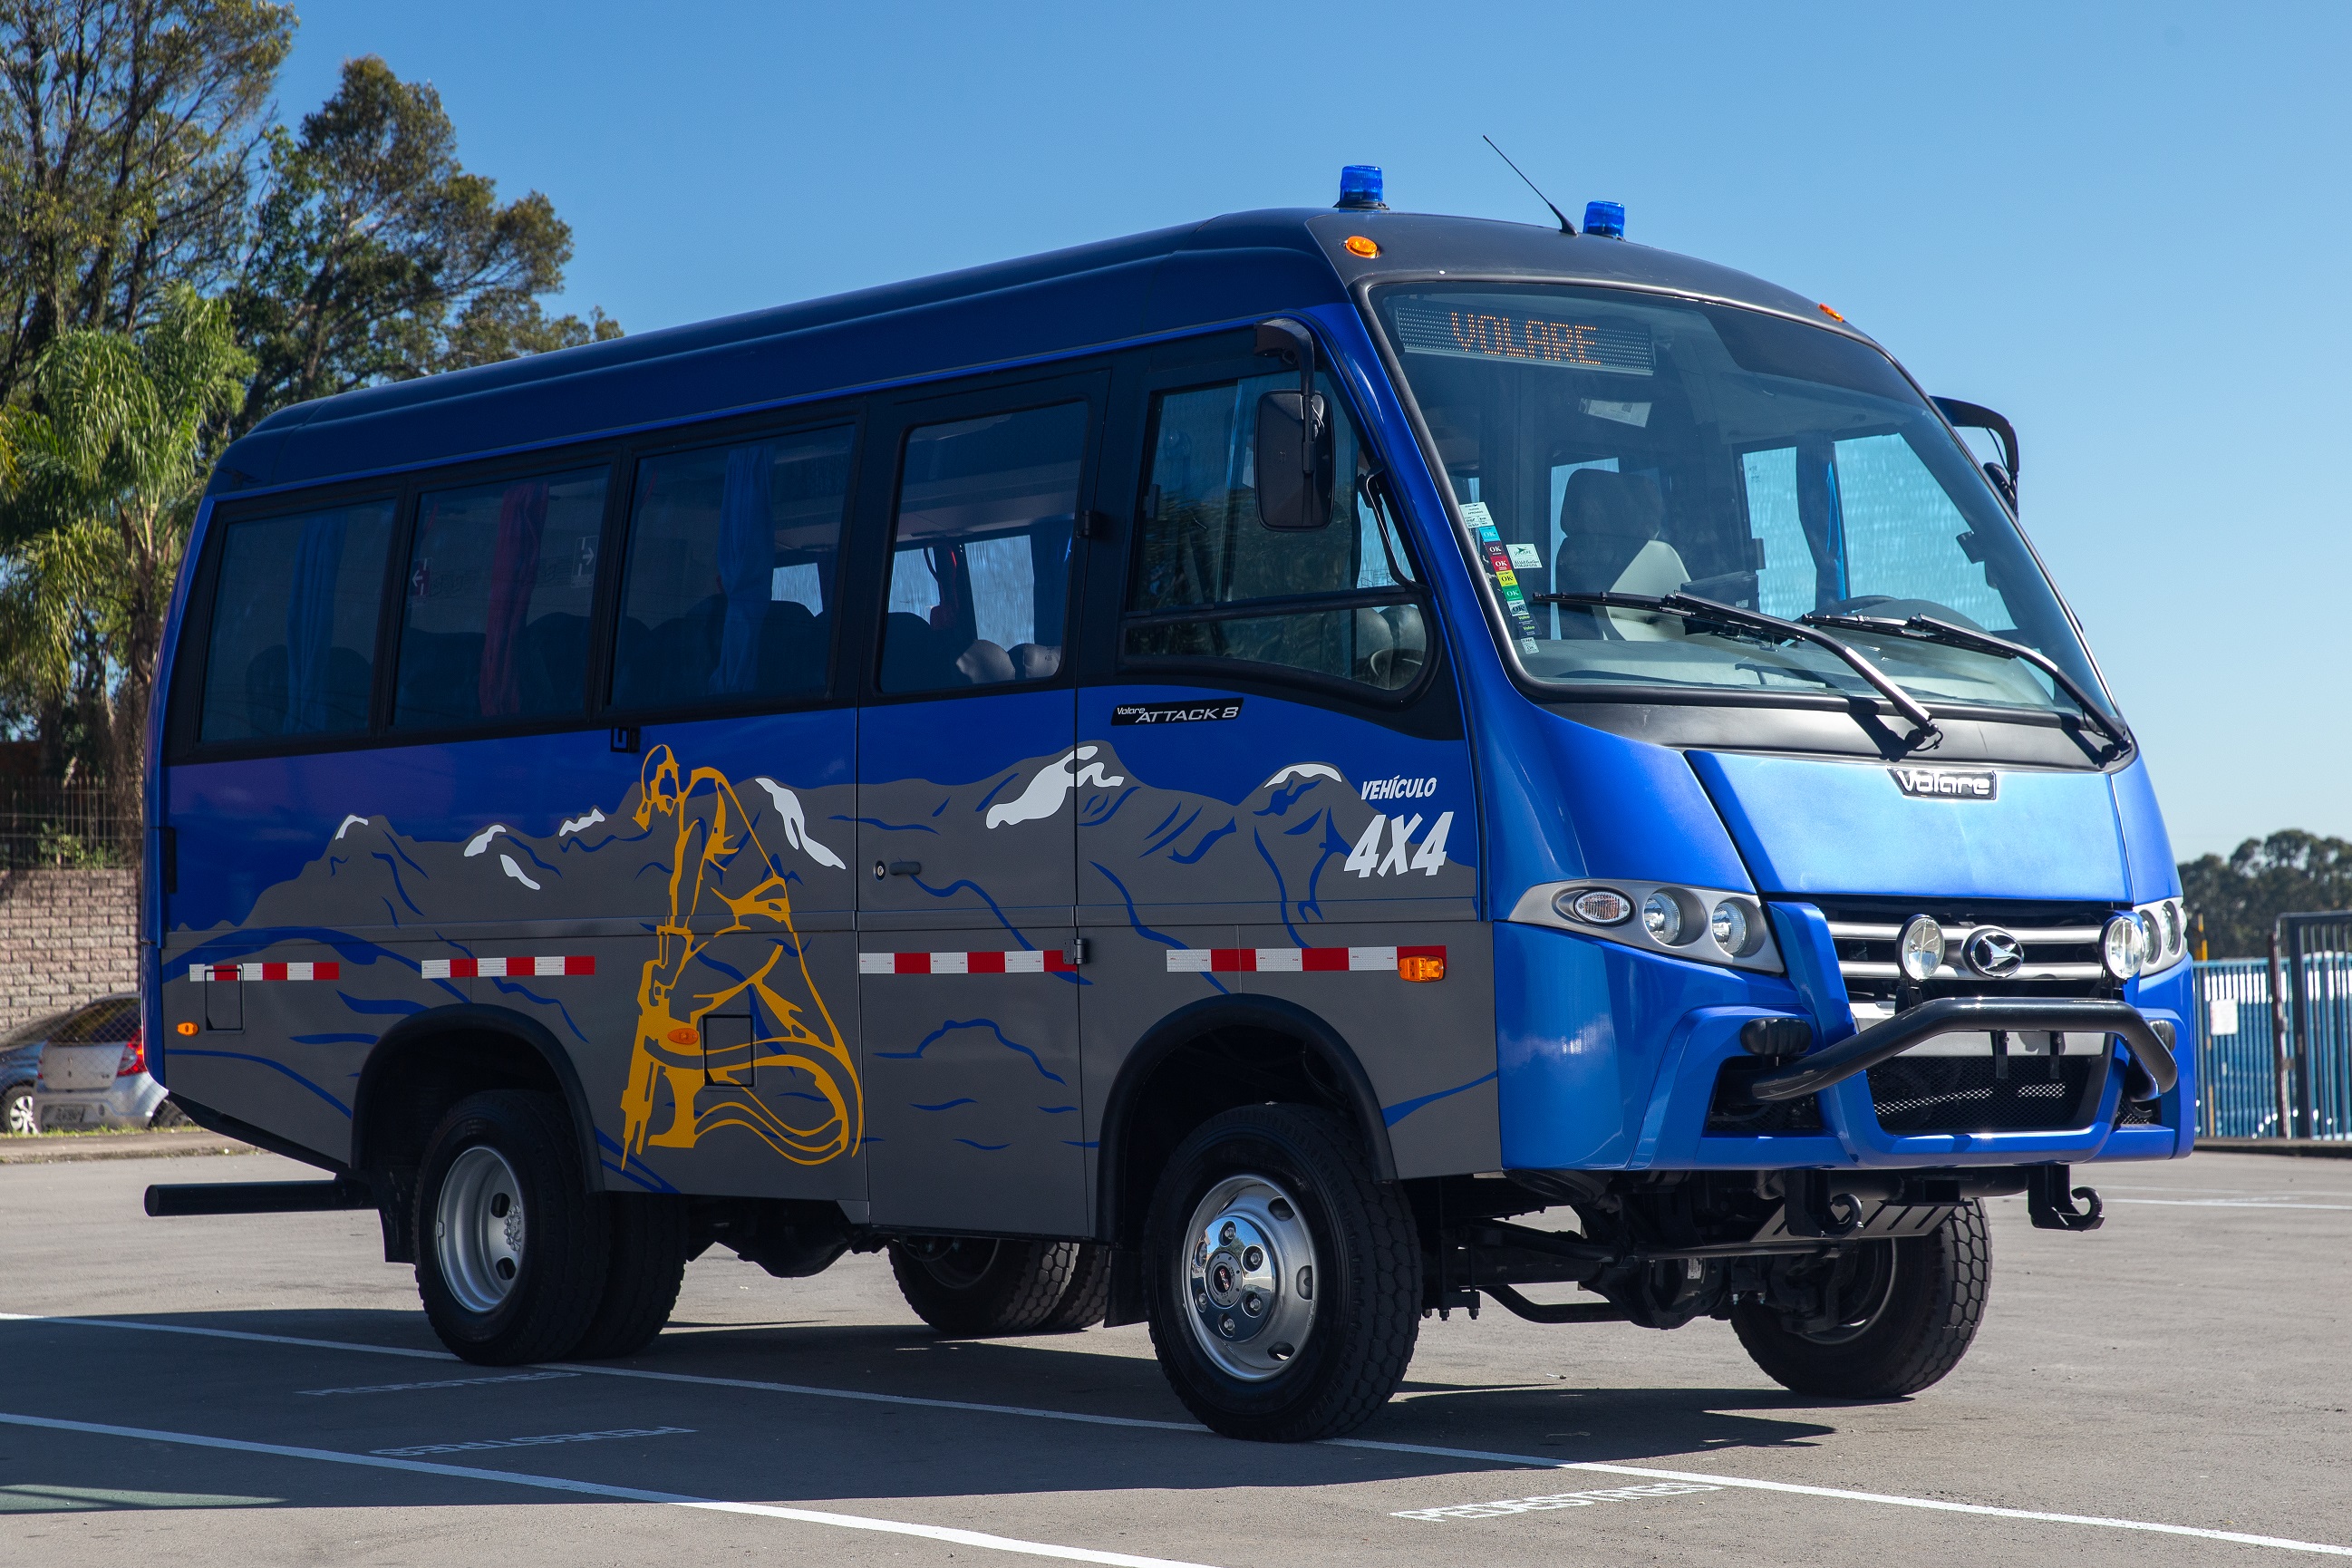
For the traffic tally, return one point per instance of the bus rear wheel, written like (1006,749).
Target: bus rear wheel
(513,1249)
(975,1287)
(1282,1283)
(647,1265)
(1900,1315)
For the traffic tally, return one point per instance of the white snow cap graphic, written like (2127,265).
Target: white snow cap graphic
(580,824)
(1050,788)
(517,872)
(349,823)
(1305,771)
(481,841)
(795,820)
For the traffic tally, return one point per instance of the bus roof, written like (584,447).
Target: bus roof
(1226,270)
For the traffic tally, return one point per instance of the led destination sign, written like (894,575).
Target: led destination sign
(1459,334)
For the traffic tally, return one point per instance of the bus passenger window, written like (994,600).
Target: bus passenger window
(730,581)
(979,556)
(1203,555)
(494,621)
(293,635)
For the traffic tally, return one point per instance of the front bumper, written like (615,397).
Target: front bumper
(1610,1060)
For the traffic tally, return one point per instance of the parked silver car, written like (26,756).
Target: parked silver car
(20,1064)
(94,1072)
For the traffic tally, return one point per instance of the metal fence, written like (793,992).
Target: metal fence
(2274,1036)
(47,824)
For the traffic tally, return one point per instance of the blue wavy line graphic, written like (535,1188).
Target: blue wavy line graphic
(630,1166)
(1392,1114)
(943,1105)
(1154,848)
(1332,844)
(334,1040)
(525,847)
(1090,819)
(1202,848)
(1281,893)
(413,866)
(984,1148)
(1141,930)
(1279,803)
(399,1005)
(527,994)
(1167,819)
(1056,1110)
(889,827)
(1295,829)
(941,807)
(992,794)
(265,1061)
(396,885)
(1081,1143)
(990,1024)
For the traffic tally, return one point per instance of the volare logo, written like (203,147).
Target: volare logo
(1947,784)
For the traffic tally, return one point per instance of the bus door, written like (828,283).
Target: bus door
(968,984)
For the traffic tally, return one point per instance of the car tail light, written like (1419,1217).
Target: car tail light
(134,1054)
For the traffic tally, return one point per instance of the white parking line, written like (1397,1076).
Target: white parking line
(1533,1461)
(622,1494)
(609,1434)
(1552,1501)
(440,1383)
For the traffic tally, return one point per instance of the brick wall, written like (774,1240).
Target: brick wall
(65,936)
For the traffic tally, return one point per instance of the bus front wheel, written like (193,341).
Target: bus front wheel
(1284,1283)
(1898,1315)
(513,1249)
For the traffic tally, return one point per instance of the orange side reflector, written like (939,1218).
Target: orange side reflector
(187,1029)
(684,1037)
(1832,315)
(1360,245)
(1413,968)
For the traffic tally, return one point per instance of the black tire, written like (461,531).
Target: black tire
(1088,1297)
(971,1286)
(1906,1332)
(530,1294)
(168,1117)
(17,1119)
(646,1265)
(1351,1329)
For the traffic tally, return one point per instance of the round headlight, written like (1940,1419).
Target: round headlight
(1735,927)
(2123,946)
(2174,936)
(1662,917)
(1919,949)
(1595,906)
(2151,931)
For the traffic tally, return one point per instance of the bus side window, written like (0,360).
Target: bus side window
(980,552)
(294,623)
(1202,553)
(728,590)
(494,621)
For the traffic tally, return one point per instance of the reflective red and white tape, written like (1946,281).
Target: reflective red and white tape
(224,973)
(507,968)
(1294,960)
(1034,961)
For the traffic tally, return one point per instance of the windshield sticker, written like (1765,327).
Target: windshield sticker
(1422,327)
(1637,414)
(1526,558)
(1176,712)
(1499,567)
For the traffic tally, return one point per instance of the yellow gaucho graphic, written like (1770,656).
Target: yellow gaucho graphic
(711,1081)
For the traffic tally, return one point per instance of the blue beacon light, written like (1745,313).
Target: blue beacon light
(1605,220)
(1359,188)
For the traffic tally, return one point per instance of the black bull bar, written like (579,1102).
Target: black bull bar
(2150,1050)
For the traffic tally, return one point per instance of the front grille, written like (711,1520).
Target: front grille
(1982,1094)
(2061,943)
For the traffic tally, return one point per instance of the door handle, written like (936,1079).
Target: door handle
(897,869)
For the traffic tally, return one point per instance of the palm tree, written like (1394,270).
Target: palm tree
(107,466)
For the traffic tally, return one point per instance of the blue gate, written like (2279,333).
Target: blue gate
(2283,1070)
(2237,1057)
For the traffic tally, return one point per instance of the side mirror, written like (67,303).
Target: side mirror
(1293,491)
(1977,417)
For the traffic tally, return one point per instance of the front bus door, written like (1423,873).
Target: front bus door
(965,844)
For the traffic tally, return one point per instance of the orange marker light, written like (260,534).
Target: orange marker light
(1419,967)
(187,1029)
(1832,315)
(684,1037)
(1359,246)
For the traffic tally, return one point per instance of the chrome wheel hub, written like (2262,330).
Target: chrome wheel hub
(478,1230)
(1249,1278)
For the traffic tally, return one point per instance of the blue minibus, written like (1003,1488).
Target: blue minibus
(1271,778)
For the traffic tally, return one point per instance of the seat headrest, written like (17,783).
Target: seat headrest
(1626,505)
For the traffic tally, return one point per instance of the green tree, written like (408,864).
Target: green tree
(377,256)
(128,131)
(109,468)
(2241,899)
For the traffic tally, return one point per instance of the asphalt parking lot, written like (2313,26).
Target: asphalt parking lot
(2174,1388)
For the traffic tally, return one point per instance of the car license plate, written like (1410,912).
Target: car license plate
(66,1116)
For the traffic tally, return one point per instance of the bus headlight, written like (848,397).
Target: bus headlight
(1738,927)
(1919,948)
(1662,917)
(1724,926)
(2123,946)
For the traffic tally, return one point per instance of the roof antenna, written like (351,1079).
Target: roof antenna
(1565,227)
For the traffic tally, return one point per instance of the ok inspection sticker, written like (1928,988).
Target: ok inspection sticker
(1498,556)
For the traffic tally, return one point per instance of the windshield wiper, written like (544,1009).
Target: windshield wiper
(1691,608)
(1927,628)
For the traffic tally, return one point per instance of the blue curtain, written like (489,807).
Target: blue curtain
(747,567)
(311,623)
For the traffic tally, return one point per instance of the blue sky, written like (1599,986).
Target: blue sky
(2125,227)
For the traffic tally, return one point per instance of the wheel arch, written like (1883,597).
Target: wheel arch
(1248,1035)
(438,1057)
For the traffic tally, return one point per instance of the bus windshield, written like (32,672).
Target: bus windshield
(1605,442)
